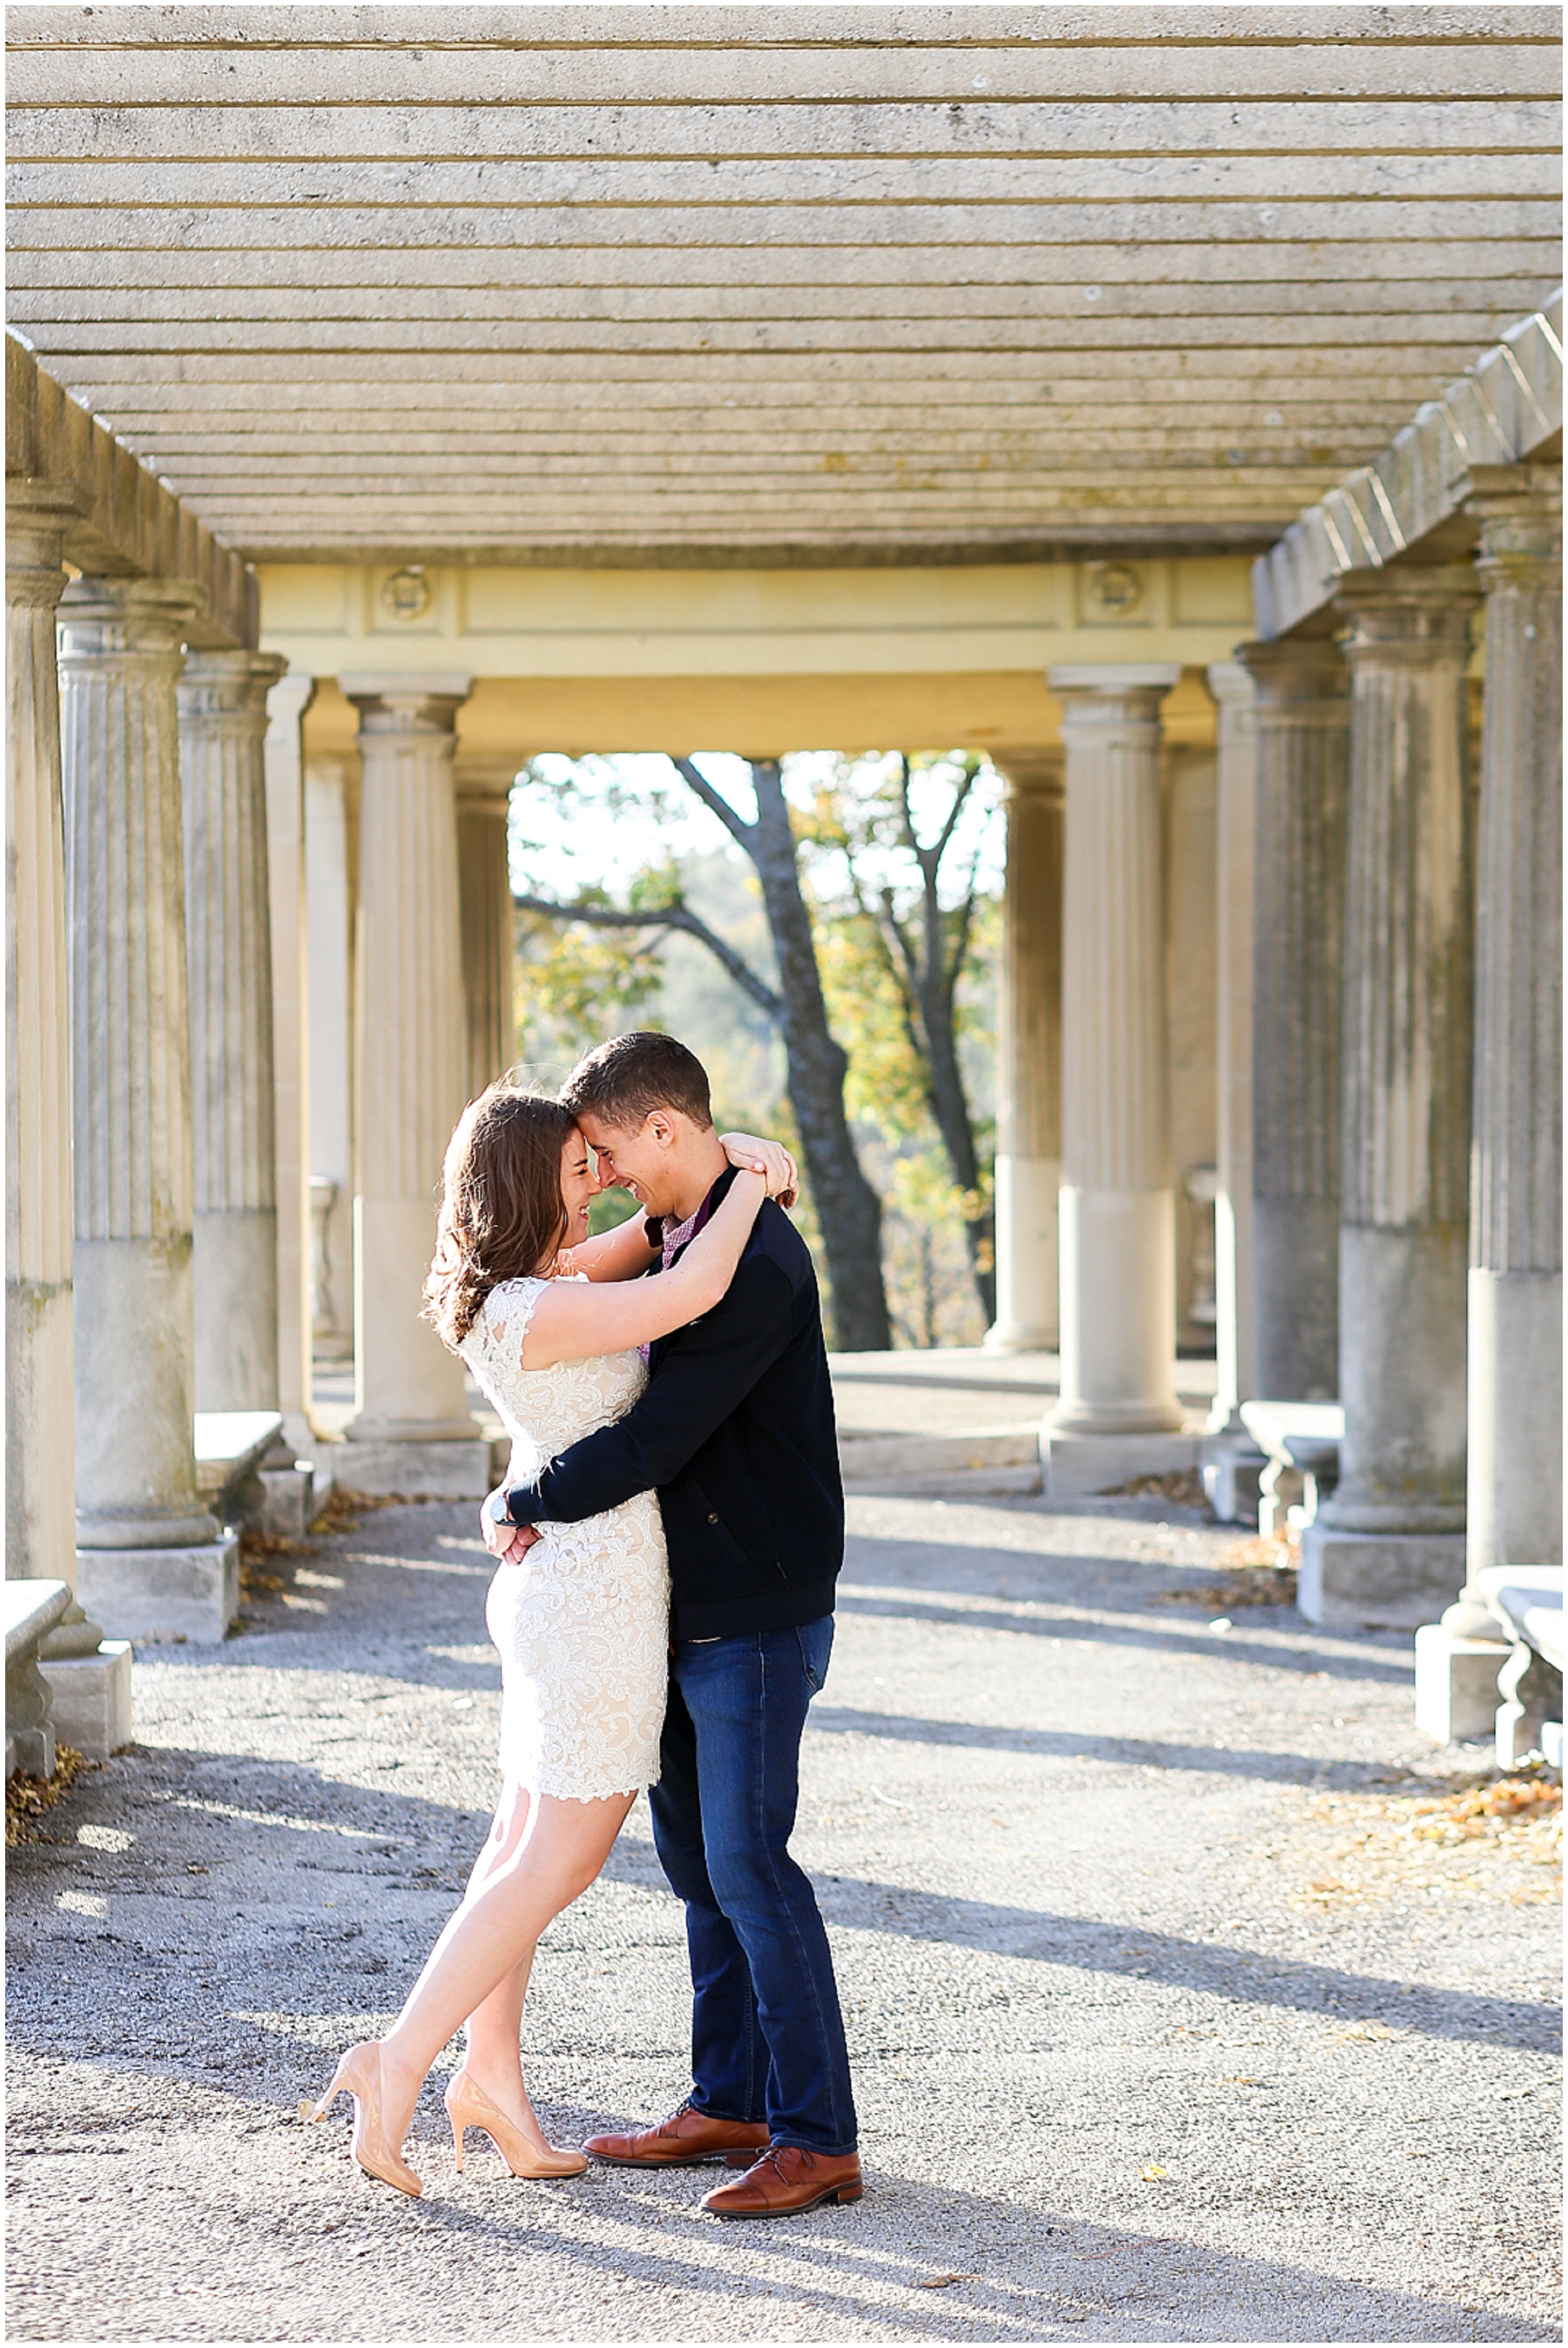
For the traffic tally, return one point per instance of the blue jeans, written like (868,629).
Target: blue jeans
(768,2038)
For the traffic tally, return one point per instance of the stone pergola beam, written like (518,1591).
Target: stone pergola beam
(1506,410)
(129,525)
(703,284)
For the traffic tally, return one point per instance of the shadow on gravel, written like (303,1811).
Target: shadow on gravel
(1018,2270)
(1129,1752)
(1252,1979)
(906,1599)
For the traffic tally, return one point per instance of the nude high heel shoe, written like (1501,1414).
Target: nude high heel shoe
(359,2074)
(468,2106)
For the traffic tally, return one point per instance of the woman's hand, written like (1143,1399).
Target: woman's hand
(779,1168)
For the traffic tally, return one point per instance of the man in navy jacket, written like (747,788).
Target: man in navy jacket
(736,1433)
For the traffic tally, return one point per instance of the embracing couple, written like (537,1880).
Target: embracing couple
(669,1538)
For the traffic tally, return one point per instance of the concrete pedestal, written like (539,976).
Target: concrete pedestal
(462,1468)
(156,1594)
(1231,1467)
(90,1696)
(1072,1467)
(1375,1581)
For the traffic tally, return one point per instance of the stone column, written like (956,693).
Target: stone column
(488,924)
(150,1557)
(1029,1059)
(284,768)
(40,1516)
(1303,719)
(1390,1541)
(221,698)
(87,1678)
(1232,1463)
(1118,1416)
(1515,1484)
(329,921)
(412,1428)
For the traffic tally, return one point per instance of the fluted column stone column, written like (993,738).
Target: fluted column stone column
(412,1424)
(1232,1462)
(487,918)
(1118,1415)
(331,826)
(221,698)
(1514,1483)
(1390,1538)
(1303,719)
(150,1556)
(40,1510)
(282,757)
(1029,1057)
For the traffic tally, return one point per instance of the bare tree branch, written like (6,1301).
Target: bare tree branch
(733,822)
(673,916)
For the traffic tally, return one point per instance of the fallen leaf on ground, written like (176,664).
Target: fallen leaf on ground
(1151,2170)
(1368,2030)
(939,2283)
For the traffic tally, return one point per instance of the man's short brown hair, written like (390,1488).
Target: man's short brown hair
(624,1080)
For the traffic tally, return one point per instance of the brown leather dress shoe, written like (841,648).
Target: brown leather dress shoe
(786,2180)
(686,2137)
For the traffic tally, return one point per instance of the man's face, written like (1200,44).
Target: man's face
(641,1159)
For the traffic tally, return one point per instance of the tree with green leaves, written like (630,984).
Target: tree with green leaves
(911,868)
(848,1208)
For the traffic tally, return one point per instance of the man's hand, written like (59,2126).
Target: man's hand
(509,1544)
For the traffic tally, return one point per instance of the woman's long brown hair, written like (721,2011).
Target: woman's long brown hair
(502,1214)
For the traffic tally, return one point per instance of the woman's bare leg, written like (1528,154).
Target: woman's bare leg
(549,1850)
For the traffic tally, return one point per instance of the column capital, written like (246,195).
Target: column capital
(287,702)
(1113,680)
(219,684)
(1232,684)
(1298,669)
(404,704)
(1416,615)
(37,515)
(483,781)
(1027,774)
(1520,509)
(128,619)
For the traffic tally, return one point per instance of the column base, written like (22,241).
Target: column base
(1074,1467)
(1377,1581)
(1456,1684)
(456,1469)
(1018,1337)
(163,1593)
(1231,1467)
(91,1699)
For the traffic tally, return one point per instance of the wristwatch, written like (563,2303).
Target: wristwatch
(498,1508)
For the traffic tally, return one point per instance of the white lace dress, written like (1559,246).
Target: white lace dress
(583,1622)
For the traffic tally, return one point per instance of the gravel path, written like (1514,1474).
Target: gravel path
(1178,2011)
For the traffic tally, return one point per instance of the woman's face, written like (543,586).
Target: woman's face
(579,1183)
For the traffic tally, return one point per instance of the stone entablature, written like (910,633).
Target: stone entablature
(125,523)
(1505,409)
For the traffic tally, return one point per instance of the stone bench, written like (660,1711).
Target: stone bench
(247,1475)
(31,1609)
(1301,1442)
(1527,1601)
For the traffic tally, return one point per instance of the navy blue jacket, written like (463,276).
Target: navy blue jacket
(736,1433)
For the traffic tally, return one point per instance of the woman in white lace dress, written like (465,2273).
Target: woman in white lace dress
(550,1322)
